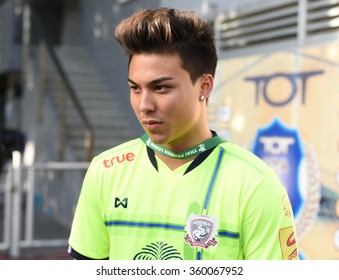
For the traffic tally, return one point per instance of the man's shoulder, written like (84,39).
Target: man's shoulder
(243,156)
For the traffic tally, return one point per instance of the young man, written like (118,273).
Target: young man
(179,191)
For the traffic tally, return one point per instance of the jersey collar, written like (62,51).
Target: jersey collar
(195,163)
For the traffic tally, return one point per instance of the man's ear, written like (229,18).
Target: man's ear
(206,85)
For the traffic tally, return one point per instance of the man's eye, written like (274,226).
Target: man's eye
(161,88)
(134,88)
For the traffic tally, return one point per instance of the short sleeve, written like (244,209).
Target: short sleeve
(268,231)
(89,237)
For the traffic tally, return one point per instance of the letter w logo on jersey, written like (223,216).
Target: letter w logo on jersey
(119,202)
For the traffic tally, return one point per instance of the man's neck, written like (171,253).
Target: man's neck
(174,163)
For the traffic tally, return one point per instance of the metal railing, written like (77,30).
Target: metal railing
(15,216)
(22,182)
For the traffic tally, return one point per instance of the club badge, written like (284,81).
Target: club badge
(295,164)
(201,231)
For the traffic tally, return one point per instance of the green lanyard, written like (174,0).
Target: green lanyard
(191,152)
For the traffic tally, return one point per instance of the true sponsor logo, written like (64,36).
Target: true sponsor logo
(201,231)
(108,163)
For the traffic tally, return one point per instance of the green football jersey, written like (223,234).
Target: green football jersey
(226,204)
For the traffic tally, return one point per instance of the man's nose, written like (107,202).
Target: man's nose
(147,103)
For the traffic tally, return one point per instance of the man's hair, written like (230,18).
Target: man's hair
(170,31)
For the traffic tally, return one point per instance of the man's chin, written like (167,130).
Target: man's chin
(157,139)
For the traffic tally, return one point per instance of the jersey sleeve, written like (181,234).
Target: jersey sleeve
(268,231)
(89,237)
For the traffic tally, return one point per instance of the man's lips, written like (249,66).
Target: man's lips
(151,124)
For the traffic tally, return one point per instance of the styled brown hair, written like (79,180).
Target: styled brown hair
(170,31)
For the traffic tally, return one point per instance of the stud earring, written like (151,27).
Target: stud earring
(202,97)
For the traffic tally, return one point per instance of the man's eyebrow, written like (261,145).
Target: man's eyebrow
(154,82)
(132,82)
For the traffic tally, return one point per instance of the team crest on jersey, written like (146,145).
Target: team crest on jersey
(201,231)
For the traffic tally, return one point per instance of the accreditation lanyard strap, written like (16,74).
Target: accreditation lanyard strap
(191,152)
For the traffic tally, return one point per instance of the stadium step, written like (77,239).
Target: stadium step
(105,116)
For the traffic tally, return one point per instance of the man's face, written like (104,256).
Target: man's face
(165,100)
